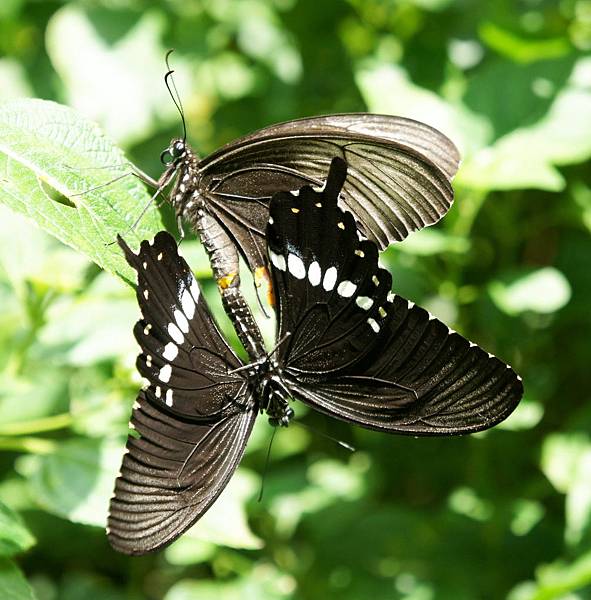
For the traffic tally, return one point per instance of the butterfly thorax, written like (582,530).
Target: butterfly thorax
(274,396)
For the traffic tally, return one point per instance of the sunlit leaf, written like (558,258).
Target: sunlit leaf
(544,290)
(527,514)
(566,461)
(264,581)
(427,242)
(528,156)
(521,49)
(526,416)
(124,91)
(226,523)
(13,80)
(556,580)
(51,162)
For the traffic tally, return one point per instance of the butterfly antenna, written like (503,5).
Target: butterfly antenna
(325,435)
(278,344)
(266,467)
(176,97)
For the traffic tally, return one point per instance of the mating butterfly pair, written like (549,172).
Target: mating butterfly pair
(346,346)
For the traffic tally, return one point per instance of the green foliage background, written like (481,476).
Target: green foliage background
(503,514)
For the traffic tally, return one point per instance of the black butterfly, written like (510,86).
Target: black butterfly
(346,346)
(399,181)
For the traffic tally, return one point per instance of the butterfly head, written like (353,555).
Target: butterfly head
(178,153)
(181,164)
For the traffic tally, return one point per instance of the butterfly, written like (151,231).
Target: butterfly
(346,346)
(399,181)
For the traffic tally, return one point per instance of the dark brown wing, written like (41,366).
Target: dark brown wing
(399,174)
(360,353)
(192,421)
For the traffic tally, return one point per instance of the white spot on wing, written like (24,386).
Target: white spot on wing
(346,289)
(159,257)
(187,304)
(330,278)
(168,399)
(271,221)
(146,294)
(165,373)
(278,260)
(390,297)
(175,333)
(181,320)
(364,302)
(314,273)
(195,292)
(171,351)
(158,391)
(373,324)
(296,266)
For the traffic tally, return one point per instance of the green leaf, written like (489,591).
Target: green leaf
(264,581)
(51,163)
(526,416)
(125,93)
(520,49)
(428,242)
(527,156)
(556,580)
(566,462)
(14,536)
(76,480)
(72,324)
(13,585)
(544,290)
(226,523)
(387,89)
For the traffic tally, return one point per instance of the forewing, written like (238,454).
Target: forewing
(399,173)
(321,274)
(183,355)
(354,350)
(191,423)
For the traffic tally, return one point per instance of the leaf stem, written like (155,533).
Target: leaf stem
(38,425)
(32,445)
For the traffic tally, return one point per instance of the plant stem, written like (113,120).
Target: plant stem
(28,444)
(38,425)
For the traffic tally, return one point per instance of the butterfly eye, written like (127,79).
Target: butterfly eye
(172,153)
(166,157)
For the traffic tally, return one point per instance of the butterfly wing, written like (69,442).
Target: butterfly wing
(191,424)
(360,353)
(399,174)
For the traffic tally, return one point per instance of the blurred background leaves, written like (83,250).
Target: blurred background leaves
(502,514)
